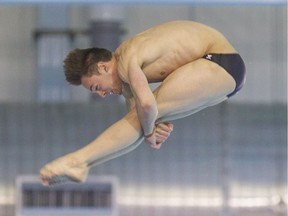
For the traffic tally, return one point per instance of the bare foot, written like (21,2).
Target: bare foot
(64,169)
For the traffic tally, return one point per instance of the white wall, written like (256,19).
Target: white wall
(259,34)
(17,53)
(141,17)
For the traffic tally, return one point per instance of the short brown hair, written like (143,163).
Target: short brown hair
(81,62)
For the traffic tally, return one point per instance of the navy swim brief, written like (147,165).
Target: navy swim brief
(233,64)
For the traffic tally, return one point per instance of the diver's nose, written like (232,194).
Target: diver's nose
(101,93)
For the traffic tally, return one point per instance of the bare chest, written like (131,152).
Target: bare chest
(160,68)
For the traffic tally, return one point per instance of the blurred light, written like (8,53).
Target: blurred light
(231,2)
(175,196)
(254,202)
(247,202)
(7,200)
(7,196)
(170,201)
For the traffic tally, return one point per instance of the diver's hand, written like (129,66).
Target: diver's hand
(160,134)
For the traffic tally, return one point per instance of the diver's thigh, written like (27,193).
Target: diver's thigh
(192,87)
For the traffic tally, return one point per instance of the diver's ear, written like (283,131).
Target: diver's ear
(102,67)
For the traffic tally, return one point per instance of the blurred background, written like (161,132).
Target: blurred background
(227,160)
